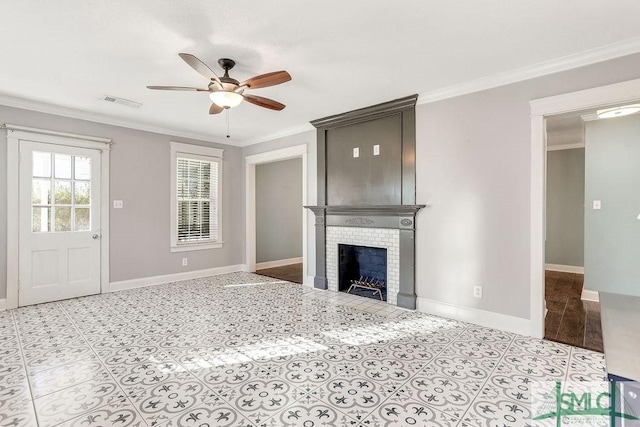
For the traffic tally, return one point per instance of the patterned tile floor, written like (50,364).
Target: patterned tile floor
(246,350)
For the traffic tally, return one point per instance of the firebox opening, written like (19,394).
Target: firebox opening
(362,271)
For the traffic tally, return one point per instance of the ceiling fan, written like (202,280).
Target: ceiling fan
(227,92)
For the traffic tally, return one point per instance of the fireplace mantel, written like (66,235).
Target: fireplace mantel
(372,216)
(384,210)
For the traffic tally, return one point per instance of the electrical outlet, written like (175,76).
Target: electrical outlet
(356,152)
(185,262)
(118,204)
(597,204)
(376,150)
(477,291)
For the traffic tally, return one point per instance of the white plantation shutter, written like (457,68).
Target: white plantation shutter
(197,197)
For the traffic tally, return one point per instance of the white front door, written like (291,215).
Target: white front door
(59,248)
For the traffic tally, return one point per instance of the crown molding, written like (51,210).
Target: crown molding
(568,62)
(367,113)
(590,117)
(281,134)
(42,107)
(588,57)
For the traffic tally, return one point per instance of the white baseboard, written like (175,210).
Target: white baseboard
(278,263)
(564,268)
(3,304)
(308,281)
(168,278)
(489,319)
(588,295)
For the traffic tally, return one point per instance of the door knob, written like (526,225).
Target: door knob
(95,236)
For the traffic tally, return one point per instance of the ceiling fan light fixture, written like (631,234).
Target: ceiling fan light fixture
(226,98)
(618,111)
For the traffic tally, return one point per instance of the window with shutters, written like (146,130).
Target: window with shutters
(196,194)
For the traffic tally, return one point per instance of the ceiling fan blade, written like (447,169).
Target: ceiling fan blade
(265,80)
(264,102)
(215,109)
(199,89)
(199,66)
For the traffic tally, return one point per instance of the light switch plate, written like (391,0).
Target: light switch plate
(597,204)
(356,152)
(376,150)
(118,204)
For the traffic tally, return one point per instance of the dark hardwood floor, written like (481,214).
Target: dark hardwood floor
(571,320)
(291,273)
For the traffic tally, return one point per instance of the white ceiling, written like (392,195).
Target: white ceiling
(65,55)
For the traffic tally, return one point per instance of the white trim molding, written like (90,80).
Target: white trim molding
(306,127)
(278,263)
(602,96)
(489,319)
(15,134)
(565,146)
(142,282)
(592,56)
(208,154)
(3,304)
(42,107)
(588,295)
(308,281)
(564,268)
(296,151)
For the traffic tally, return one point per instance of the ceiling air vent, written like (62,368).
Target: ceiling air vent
(121,101)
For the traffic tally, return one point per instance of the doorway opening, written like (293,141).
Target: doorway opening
(541,110)
(276,191)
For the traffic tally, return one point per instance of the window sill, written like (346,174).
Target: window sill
(196,247)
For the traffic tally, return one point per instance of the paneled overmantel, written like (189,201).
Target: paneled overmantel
(367,191)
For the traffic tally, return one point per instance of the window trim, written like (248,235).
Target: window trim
(200,153)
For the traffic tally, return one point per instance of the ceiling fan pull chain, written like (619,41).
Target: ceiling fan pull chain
(228,136)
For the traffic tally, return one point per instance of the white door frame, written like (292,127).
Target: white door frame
(296,151)
(602,96)
(17,133)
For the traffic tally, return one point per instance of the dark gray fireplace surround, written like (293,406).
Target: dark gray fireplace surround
(371,190)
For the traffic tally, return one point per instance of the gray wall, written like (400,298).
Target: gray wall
(612,234)
(565,207)
(140,170)
(474,167)
(279,210)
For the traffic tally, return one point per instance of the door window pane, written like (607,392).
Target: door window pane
(41,192)
(62,218)
(82,168)
(62,167)
(68,193)
(41,219)
(82,219)
(82,193)
(63,192)
(41,164)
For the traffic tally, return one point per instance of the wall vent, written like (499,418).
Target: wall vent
(121,101)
